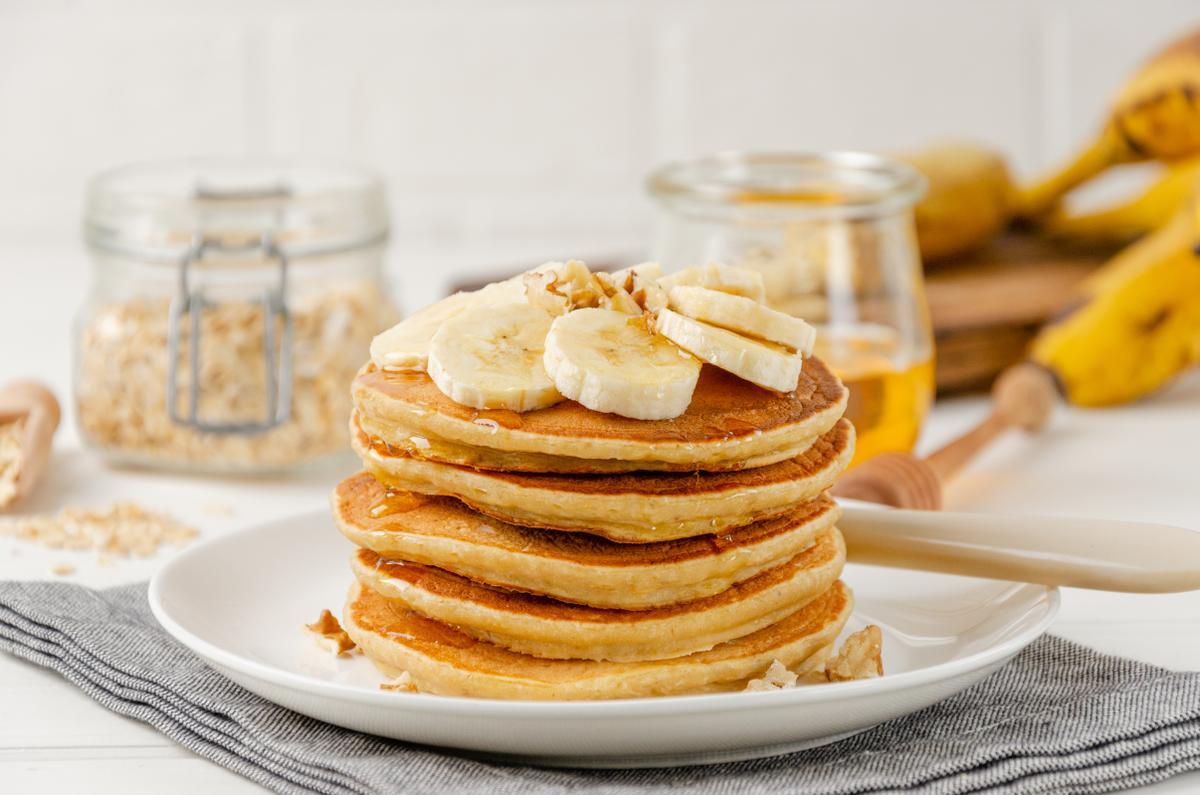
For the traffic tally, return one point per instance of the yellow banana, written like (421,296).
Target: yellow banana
(1125,222)
(967,201)
(1155,116)
(1137,323)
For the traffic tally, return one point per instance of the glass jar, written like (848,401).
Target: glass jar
(231,303)
(833,236)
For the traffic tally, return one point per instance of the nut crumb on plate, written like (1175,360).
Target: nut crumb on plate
(861,657)
(329,635)
(401,684)
(63,569)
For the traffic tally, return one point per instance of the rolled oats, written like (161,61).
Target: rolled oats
(10,459)
(122,530)
(122,373)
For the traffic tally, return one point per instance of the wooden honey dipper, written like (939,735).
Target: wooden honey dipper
(1023,397)
(35,406)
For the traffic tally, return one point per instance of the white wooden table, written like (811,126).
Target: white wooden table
(1135,462)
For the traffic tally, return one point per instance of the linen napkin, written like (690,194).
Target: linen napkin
(1058,718)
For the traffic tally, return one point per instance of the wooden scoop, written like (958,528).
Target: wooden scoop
(38,408)
(1023,397)
(1100,554)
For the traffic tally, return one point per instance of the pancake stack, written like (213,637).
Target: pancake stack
(568,553)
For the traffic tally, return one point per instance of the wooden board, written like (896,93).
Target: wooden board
(986,307)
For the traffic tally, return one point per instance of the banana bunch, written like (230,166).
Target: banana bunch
(1136,324)
(630,343)
(1155,116)
(968,200)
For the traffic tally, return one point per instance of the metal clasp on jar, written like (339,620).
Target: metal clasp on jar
(189,305)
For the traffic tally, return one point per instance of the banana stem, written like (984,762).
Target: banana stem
(1107,150)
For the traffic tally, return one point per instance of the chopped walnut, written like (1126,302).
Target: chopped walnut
(777,677)
(123,529)
(560,287)
(402,684)
(861,657)
(329,635)
(123,365)
(63,570)
(11,434)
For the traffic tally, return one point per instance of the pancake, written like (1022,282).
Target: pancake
(730,422)
(544,627)
(400,438)
(573,567)
(442,660)
(636,507)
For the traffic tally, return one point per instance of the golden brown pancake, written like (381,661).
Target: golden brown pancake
(636,507)
(443,660)
(573,567)
(730,423)
(544,627)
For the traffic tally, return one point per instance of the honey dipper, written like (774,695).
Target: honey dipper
(37,409)
(1023,397)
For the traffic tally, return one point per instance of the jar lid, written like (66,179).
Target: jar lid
(157,210)
(820,185)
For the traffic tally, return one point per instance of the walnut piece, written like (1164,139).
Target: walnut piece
(124,529)
(329,635)
(401,684)
(861,657)
(777,677)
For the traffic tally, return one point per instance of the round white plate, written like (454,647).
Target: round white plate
(239,601)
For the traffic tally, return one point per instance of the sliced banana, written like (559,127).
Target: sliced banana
(761,363)
(740,314)
(715,276)
(490,357)
(611,362)
(405,346)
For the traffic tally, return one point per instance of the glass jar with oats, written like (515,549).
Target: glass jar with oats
(232,302)
(833,236)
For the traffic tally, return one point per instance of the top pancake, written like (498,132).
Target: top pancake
(728,421)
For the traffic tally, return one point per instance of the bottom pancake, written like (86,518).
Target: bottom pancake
(445,661)
(544,627)
(571,567)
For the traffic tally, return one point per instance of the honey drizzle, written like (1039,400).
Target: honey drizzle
(396,501)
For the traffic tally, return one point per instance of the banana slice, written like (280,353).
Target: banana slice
(761,363)
(405,346)
(715,276)
(490,357)
(740,314)
(611,362)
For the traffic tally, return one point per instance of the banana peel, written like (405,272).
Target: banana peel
(1136,325)
(1154,116)
(967,201)
(1125,222)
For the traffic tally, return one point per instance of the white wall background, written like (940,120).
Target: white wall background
(524,128)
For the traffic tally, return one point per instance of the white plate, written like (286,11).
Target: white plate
(239,601)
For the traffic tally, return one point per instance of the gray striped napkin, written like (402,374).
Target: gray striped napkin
(1059,718)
